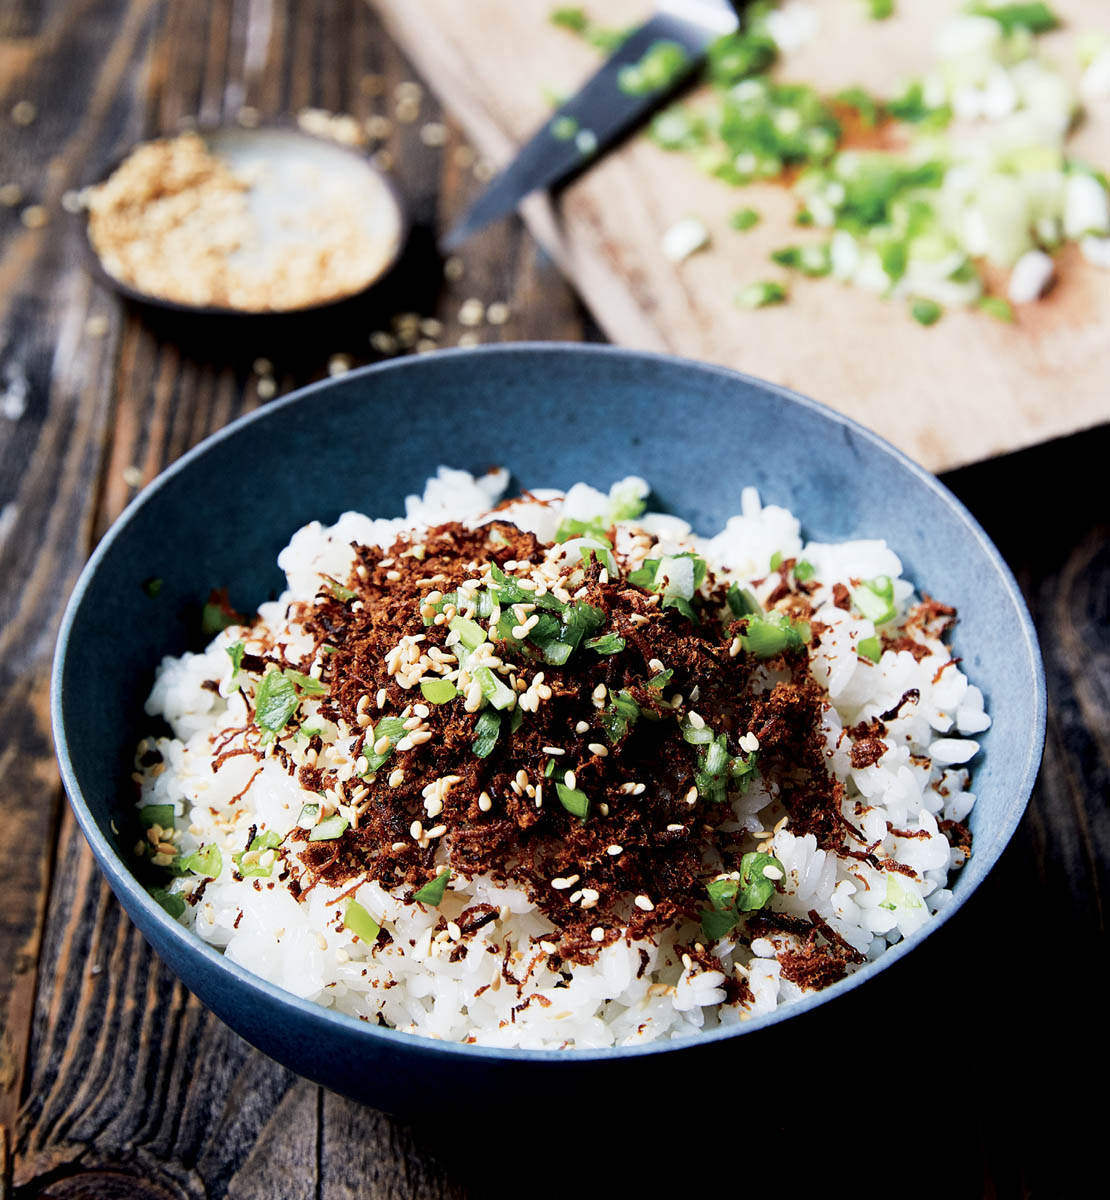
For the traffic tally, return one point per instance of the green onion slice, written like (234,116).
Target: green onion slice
(437,691)
(575,802)
(486,729)
(360,922)
(433,891)
(206,860)
(275,701)
(173,903)
(328,829)
(157,814)
(608,643)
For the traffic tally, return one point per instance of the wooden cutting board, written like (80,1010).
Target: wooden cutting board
(965,389)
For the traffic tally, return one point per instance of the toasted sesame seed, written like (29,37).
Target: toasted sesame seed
(34,216)
(454,268)
(472,312)
(548,947)
(497,313)
(23,112)
(484,802)
(570,779)
(398,846)
(553,750)
(696,720)
(773,873)
(381,746)
(434,133)
(397,777)
(416,830)
(734,649)
(599,692)
(644,903)
(692,796)
(675,828)
(10,195)
(597,934)
(582,727)
(614,850)
(419,736)
(655,665)
(598,749)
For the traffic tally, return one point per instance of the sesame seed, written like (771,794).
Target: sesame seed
(397,777)
(416,831)
(35,216)
(692,796)
(434,133)
(421,710)
(570,779)
(598,749)
(548,947)
(734,649)
(603,808)
(614,850)
(675,828)
(560,884)
(576,896)
(655,665)
(437,831)
(23,112)
(484,802)
(381,697)
(381,746)
(696,720)
(419,736)
(770,872)
(398,846)
(599,692)
(597,934)
(582,727)
(497,313)
(472,312)
(553,750)
(644,903)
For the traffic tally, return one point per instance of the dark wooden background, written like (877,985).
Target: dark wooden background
(113,1080)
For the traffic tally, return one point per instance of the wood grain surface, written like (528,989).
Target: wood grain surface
(960,391)
(114,1082)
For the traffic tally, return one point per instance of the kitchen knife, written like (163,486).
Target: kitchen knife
(601,113)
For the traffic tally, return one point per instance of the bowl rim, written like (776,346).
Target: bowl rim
(123,882)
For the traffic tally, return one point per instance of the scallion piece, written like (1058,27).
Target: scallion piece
(437,691)
(873,604)
(571,527)
(660,681)
(500,696)
(744,219)
(433,891)
(755,888)
(761,294)
(776,560)
(471,634)
(549,769)
(360,923)
(742,602)
(157,814)
(563,128)
(804,571)
(170,901)
(608,643)
(486,729)
(309,815)
(235,653)
(996,307)
(870,648)
(575,802)
(308,685)
(328,829)
(275,701)
(926,312)
(206,860)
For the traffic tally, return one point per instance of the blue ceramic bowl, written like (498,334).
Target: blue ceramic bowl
(220,515)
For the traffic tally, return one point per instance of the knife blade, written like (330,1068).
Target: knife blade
(600,113)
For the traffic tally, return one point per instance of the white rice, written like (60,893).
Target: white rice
(411,982)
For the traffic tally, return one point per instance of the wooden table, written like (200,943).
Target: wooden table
(113,1080)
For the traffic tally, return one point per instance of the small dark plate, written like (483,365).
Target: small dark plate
(282,150)
(553,414)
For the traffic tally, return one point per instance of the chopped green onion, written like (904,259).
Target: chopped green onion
(620,713)
(776,560)
(549,769)
(1036,17)
(438,606)
(870,648)
(742,602)
(173,903)
(571,527)
(696,735)
(433,891)
(563,128)
(235,653)
(328,829)
(341,593)
(437,691)
(722,893)
(500,696)
(662,65)
(660,681)
(308,685)
(926,312)
(157,814)
(744,219)
(879,10)
(486,729)
(873,601)
(309,815)
(575,802)
(390,728)
(360,922)
(997,307)
(804,571)
(608,643)
(471,634)
(868,108)
(755,888)
(760,295)
(275,701)
(267,840)
(206,860)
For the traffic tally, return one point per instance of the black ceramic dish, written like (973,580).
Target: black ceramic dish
(699,434)
(278,144)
